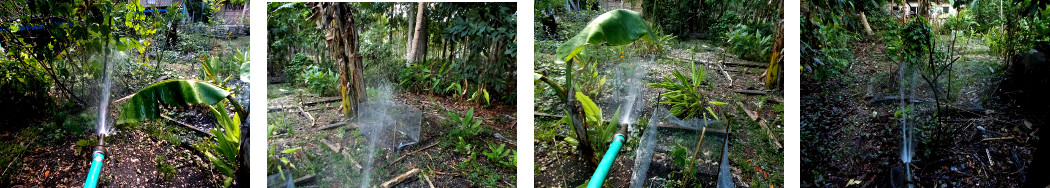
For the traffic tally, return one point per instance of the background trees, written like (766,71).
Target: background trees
(471,45)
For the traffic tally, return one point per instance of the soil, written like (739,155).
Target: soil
(984,137)
(130,162)
(439,162)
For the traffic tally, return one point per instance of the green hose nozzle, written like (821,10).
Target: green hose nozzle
(607,160)
(96,164)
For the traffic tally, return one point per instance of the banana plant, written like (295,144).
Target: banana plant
(613,28)
(146,105)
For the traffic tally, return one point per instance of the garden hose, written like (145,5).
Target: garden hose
(96,164)
(607,160)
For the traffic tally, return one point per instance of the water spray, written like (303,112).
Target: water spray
(99,154)
(610,156)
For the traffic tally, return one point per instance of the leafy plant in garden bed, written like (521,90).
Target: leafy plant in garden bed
(465,125)
(613,28)
(497,154)
(274,159)
(684,94)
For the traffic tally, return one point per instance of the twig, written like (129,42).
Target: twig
(308,116)
(187,125)
(399,178)
(999,138)
(413,152)
(124,98)
(721,66)
(986,152)
(425,177)
(698,142)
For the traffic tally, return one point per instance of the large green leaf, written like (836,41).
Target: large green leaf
(146,104)
(614,28)
(590,109)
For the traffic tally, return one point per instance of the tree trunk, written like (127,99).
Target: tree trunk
(409,36)
(341,38)
(864,21)
(418,44)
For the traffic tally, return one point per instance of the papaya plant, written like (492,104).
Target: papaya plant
(613,28)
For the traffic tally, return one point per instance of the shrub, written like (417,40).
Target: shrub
(319,80)
(749,44)
(299,64)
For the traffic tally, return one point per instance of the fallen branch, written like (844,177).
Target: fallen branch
(712,131)
(124,98)
(334,125)
(752,115)
(400,178)
(894,99)
(187,125)
(279,108)
(999,138)
(357,166)
(305,179)
(413,152)
(308,116)
(770,133)
(338,149)
(750,92)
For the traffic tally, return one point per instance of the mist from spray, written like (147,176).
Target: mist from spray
(906,78)
(373,121)
(104,87)
(632,76)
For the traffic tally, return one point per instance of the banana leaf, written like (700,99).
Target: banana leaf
(614,28)
(590,109)
(146,103)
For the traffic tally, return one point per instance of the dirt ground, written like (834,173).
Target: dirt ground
(985,137)
(335,156)
(754,158)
